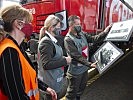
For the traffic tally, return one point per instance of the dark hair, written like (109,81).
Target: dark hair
(9,14)
(2,32)
(71,19)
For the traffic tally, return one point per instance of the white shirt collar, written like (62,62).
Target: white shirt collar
(52,37)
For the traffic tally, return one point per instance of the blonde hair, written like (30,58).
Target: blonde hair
(51,20)
(42,32)
(9,14)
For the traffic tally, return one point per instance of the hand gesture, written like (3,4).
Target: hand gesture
(94,64)
(52,93)
(107,29)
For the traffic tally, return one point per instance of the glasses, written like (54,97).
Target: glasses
(21,21)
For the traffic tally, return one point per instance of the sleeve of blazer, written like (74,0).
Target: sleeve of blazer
(42,85)
(96,38)
(47,49)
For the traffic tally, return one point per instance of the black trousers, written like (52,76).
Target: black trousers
(76,85)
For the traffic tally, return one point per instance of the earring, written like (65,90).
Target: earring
(19,28)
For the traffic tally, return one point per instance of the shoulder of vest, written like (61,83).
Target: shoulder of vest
(7,43)
(45,38)
(70,36)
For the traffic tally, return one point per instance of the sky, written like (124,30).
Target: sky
(6,2)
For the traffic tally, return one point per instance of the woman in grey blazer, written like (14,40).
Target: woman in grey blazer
(50,57)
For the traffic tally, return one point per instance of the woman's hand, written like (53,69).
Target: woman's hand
(52,93)
(68,59)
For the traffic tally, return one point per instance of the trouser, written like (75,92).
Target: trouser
(76,85)
(47,96)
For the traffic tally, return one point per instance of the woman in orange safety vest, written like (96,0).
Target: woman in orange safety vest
(18,78)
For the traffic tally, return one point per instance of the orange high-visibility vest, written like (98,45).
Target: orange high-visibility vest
(28,73)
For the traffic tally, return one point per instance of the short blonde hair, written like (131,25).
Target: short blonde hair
(51,20)
(10,13)
(15,11)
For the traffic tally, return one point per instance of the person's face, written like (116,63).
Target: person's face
(58,25)
(57,29)
(77,22)
(26,28)
(76,27)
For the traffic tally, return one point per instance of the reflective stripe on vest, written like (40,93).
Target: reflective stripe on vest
(28,73)
(32,92)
